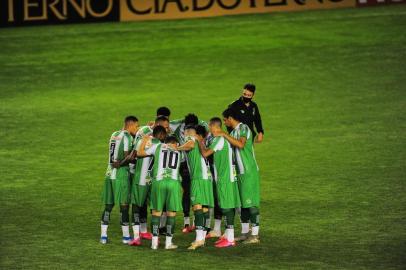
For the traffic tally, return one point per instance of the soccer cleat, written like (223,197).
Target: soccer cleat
(213,234)
(252,239)
(135,242)
(146,235)
(225,244)
(221,239)
(188,229)
(196,245)
(126,240)
(171,246)
(243,237)
(103,240)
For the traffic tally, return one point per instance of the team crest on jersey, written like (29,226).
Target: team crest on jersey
(248,201)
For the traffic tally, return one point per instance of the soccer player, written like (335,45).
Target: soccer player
(116,184)
(178,126)
(140,186)
(202,185)
(165,188)
(248,174)
(226,181)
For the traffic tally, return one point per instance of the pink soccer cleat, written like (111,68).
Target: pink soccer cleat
(146,235)
(221,239)
(188,229)
(225,243)
(135,242)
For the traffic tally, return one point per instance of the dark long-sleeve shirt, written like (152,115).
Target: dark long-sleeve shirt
(249,115)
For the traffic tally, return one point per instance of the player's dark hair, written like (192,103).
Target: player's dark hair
(163,111)
(201,130)
(216,120)
(130,118)
(231,112)
(250,87)
(191,119)
(158,130)
(171,139)
(161,118)
(190,127)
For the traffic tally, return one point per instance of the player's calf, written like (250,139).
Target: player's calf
(105,220)
(125,223)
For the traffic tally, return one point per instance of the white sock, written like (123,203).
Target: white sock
(199,235)
(204,234)
(255,231)
(168,241)
(245,227)
(217,226)
(154,241)
(136,230)
(230,235)
(143,228)
(186,221)
(163,221)
(126,231)
(104,230)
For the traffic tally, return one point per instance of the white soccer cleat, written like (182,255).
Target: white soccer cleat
(171,246)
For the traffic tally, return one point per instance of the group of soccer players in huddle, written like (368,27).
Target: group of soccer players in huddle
(170,165)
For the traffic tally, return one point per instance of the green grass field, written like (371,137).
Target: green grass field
(331,89)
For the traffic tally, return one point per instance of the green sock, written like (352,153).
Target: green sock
(229,218)
(254,216)
(206,216)
(155,220)
(170,226)
(245,215)
(199,219)
(135,215)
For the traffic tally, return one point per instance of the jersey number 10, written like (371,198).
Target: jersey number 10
(172,161)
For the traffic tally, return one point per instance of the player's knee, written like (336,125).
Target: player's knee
(197,207)
(254,211)
(156,213)
(171,214)
(108,207)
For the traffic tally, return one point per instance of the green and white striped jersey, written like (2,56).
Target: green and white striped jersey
(178,128)
(198,165)
(144,165)
(245,157)
(223,159)
(120,142)
(166,162)
(142,131)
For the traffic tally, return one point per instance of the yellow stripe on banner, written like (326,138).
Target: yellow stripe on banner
(136,10)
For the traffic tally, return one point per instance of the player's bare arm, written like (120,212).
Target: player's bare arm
(205,151)
(240,143)
(141,152)
(189,145)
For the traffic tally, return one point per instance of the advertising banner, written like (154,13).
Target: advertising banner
(134,10)
(39,12)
